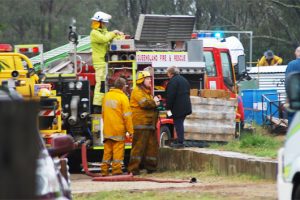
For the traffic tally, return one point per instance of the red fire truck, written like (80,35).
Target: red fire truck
(160,41)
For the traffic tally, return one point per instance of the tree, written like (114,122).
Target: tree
(273,22)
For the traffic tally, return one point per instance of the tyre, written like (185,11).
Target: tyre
(74,161)
(165,135)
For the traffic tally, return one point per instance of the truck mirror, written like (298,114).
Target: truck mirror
(241,64)
(293,90)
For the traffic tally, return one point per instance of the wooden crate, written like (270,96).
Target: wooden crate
(211,119)
(215,94)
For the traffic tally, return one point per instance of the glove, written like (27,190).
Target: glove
(157,100)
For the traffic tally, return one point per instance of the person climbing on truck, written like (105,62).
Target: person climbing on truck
(100,39)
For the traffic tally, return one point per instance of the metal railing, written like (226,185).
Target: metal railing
(273,112)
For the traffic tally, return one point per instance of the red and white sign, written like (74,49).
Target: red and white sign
(49,113)
(147,57)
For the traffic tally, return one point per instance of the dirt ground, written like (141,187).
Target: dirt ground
(223,187)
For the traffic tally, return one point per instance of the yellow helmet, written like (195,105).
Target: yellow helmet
(44,92)
(141,76)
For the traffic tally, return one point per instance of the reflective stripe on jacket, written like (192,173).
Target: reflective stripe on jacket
(117,116)
(143,108)
(99,44)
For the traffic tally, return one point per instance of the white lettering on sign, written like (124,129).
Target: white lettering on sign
(260,106)
(161,57)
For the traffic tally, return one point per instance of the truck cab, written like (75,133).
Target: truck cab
(288,176)
(17,69)
(219,70)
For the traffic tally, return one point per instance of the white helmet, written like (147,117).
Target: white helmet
(101,17)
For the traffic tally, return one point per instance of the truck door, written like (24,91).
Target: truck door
(213,69)
(219,71)
(227,70)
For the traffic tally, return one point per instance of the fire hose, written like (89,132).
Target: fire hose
(119,178)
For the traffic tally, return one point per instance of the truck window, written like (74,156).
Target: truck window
(209,63)
(226,69)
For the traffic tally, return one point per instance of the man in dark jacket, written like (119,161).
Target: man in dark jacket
(293,66)
(178,102)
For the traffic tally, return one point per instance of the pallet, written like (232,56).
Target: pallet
(278,121)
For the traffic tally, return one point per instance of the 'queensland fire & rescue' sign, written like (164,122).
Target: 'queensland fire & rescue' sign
(150,57)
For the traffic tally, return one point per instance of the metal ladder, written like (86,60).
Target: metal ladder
(60,53)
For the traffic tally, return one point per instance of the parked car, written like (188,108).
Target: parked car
(288,177)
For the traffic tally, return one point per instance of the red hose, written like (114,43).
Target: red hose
(117,178)
(84,162)
(130,177)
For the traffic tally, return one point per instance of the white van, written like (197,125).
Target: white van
(288,176)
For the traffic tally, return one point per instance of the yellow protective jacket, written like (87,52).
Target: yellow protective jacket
(117,115)
(143,108)
(263,61)
(100,39)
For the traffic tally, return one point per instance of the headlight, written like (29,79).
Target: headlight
(71,85)
(78,85)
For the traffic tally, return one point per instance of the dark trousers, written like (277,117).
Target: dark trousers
(178,122)
(290,117)
(144,150)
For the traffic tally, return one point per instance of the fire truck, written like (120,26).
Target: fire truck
(205,62)
(160,41)
(17,73)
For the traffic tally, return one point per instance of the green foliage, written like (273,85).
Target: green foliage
(258,141)
(274,23)
(253,143)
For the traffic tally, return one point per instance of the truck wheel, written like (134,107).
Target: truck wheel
(296,193)
(165,134)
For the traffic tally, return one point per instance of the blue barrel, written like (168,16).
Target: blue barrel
(256,107)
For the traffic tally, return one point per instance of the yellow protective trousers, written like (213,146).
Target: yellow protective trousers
(113,156)
(100,75)
(144,150)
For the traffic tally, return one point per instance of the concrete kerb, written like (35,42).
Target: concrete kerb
(223,162)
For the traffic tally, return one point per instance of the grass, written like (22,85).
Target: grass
(208,177)
(259,143)
(148,195)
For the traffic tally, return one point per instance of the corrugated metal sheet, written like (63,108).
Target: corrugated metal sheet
(270,77)
(163,28)
(267,69)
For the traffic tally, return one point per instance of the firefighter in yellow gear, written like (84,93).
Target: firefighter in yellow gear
(100,39)
(117,120)
(144,115)
(269,59)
